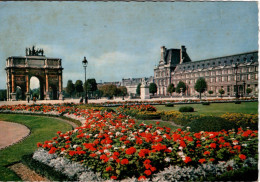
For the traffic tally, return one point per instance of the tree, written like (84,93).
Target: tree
(171,89)
(248,91)
(221,91)
(152,88)
(90,85)
(70,87)
(122,91)
(210,92)
(181,87)
(109,90)
(138,91)
(3,95)
(79,86)
(200,86)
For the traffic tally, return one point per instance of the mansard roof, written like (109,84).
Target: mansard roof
(224,61)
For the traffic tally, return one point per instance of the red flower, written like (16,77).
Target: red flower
(124,161)
(113,177)
(187,160)
(109,168)
(39,144)
(242,156)
(202,161)
(93,155)
(147,161)
(52,151)
(147,172)
(141,178)
(211,159)
(206,153)
(213,145)
(130,151)
(157,122)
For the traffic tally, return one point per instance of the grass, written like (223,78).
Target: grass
(216,109)
(42,128)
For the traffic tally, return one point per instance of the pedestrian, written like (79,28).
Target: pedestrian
(28,99)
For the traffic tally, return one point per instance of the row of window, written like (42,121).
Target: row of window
(218,72)
(225,78)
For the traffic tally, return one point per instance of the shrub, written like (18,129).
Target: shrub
(237,102)
(169,105)
(44,169)
(243,174)
(210,123)
(148,115)
(186,109)
(205,103)
(242,120)
(178,117)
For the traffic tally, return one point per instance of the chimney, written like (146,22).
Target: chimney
(183,48)
(163,52)
(182,51)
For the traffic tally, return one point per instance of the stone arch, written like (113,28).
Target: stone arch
(20,69)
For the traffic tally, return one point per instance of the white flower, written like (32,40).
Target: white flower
(167,159)
(75,146)
(158,132)
(141,131)
(180,147)
(123,147)
(203,138)
(180,153)
(244,145)
(96,135)
(106,151)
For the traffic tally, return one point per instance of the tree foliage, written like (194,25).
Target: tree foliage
(171,88)
(79,86)
(210,92)
(138,89)
(200,86)
(109,90)
(248,90)
(221,91)
(90,85)
(3,94)
(152,88)
(180,85)
(122,90)
(70,87)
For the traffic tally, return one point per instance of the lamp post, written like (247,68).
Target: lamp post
(85,64)
(236,67)
(244,83)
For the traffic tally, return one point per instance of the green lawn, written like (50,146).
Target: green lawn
(216,108)
(42,128)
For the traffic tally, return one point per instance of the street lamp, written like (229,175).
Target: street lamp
(85,64)
(244,83)
(236,67)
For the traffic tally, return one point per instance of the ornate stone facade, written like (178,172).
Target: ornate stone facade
(20,69)
(220,73)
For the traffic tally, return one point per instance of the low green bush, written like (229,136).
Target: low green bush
(169,105)
(237,102)
(44,169)
(205,103)
(210,123)
(243,174)
(178,117)
(148,115)
(186,109)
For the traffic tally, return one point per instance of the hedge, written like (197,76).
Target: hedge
(44,169)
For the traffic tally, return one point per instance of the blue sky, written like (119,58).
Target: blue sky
(123,39)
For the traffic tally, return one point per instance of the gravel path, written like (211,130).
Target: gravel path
(11,133)
(26,174)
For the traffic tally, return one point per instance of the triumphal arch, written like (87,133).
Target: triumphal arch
(20,69)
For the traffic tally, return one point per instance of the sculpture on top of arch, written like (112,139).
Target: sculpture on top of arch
(20,69)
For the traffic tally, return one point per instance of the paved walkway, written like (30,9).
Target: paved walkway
(102,100)
(11,133)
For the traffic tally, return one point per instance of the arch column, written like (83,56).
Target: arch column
(60,87)
(27,86)
(13,94)
(47,93)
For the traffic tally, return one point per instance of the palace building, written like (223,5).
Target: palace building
(228,72)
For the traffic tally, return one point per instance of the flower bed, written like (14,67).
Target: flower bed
(113,146)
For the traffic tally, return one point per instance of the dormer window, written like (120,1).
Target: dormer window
(219,62)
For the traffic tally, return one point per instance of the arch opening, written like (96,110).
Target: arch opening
(36,88)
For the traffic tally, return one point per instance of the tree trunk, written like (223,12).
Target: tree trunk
(200,95)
